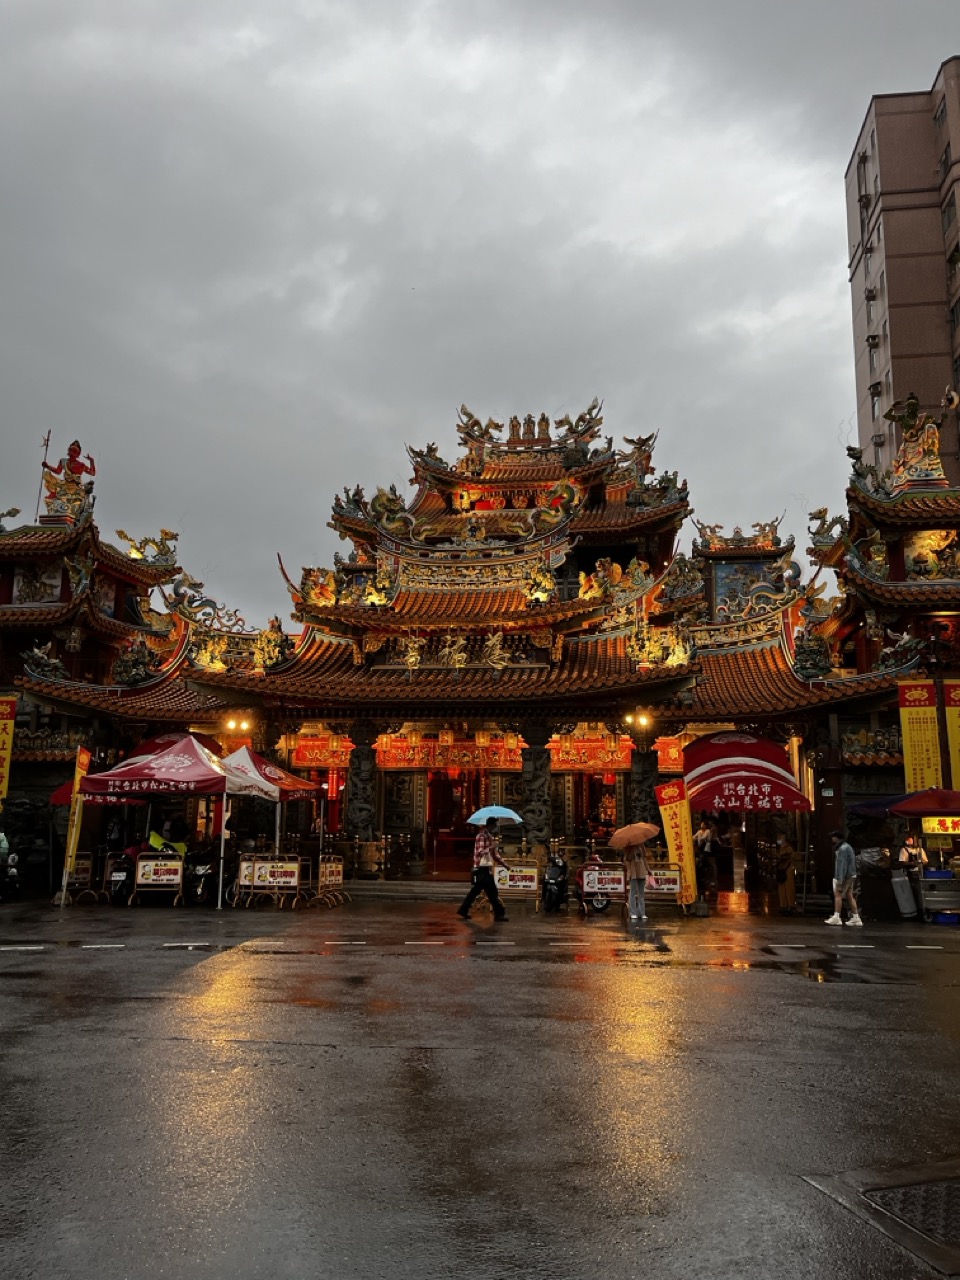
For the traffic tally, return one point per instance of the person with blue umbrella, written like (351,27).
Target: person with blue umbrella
(485,856)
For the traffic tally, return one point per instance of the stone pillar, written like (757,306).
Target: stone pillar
(643,805)
(361,806)
(535,806)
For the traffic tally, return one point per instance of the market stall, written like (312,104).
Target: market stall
(937,889)
(184,769)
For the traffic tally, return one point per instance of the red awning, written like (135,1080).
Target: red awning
(64,794)
(289,786)
(740,771)
(934,802)
(184,768)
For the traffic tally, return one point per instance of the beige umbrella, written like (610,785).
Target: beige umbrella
(636,833)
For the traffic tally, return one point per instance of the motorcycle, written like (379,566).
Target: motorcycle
(9,877)
(200,874)
(122,873)
(555,890)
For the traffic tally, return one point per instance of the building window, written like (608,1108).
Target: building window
(888,383)
(870,311)
(885,333)
(882,281)
(879,231)
(956,371)
(948,215)
(946,160)
(873,139)
(876,186)
(874,408)
(955,316)
(873,359)
(940,115)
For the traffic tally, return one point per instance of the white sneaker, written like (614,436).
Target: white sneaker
(633,917)
(834,919)
(855,920)
(643,917)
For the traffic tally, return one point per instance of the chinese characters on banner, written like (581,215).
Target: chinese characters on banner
(921,734)
(675,813)
(941,826)
(76,813)
(951,710)
(669,755)
(8,714)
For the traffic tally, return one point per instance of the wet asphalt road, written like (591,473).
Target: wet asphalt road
(382,1091)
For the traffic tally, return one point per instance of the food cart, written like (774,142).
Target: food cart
(937,890)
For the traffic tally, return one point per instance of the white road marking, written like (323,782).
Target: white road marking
(187,946)
(37,948)
(855,946)
(495,944)
(102,946)
(917,948)
(423,944)
(338,942)
(570,944)
(790,946)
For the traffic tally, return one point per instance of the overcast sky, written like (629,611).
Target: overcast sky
(249,248)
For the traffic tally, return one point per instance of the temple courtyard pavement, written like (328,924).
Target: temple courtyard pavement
(384,1091)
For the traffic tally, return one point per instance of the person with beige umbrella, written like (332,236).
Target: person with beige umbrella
(632,842)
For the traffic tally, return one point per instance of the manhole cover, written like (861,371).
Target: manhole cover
(930,1207)
(918,1207)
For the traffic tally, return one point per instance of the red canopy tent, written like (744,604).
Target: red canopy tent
(743,772)
(184,768)
(164,740)
(64,795)
(934,802)
(289,785)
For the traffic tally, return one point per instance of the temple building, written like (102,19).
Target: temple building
(523,630)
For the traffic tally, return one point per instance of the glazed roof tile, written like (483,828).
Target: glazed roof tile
(34,615)
(166,699)
(760,681)
(930,593)
(621,517)
(326,673)
(911,507)
(39,540)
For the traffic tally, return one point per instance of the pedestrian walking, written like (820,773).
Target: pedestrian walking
(637,870)
(485,856)
(844,874)
(786,876)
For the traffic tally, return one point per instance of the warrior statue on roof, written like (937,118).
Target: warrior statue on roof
(917,463)
(67,493)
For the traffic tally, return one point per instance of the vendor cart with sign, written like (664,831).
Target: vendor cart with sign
(155,874)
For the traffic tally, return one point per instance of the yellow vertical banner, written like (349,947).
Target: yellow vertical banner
(921,733)
(951,710)
(678,829)
(76,813)
(8,716)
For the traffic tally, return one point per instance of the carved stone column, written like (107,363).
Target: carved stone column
(535,806)
(643,805)
(361,808)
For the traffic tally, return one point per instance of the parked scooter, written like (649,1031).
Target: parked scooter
(555,888)
(9,877)
(122,875)
(200,873)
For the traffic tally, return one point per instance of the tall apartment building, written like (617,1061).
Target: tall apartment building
(903,186)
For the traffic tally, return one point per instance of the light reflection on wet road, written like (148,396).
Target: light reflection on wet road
(378,1092)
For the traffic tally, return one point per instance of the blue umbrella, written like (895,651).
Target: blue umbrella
(493,811)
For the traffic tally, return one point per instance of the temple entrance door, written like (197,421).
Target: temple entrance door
(452,795)
(595,806)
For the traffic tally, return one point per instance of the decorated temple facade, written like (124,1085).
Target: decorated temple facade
(522,629)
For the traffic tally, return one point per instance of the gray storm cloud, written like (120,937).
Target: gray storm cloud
(249,251)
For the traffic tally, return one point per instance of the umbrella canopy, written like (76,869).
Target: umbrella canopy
(742,772)
(932,803)
(287,785)
(635,833)
(878,808)
(64,795)
(183,768)
(493,811)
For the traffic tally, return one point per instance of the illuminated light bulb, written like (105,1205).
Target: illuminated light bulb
(231,724)
(244,724)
